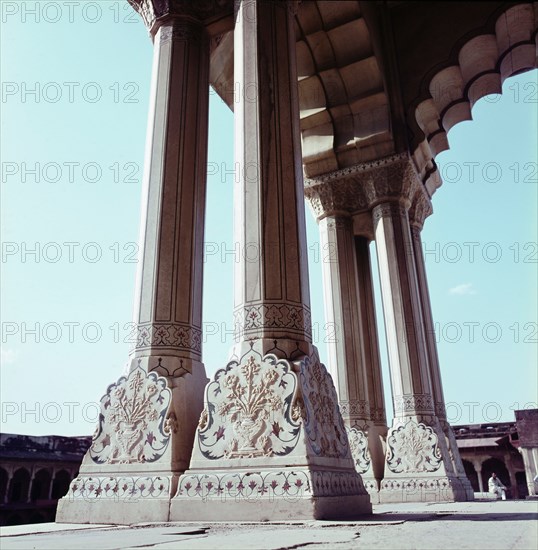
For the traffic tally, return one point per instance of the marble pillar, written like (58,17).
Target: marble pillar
(530,461)
(271,443)
(433,357)
(478,467)
(418,463)
(148,418)
(354,352)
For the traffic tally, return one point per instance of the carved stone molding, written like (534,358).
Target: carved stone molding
(251,320)
(359,188)
(133,425)
(269,485)
(182,30)
(355,408)
(413,448)
(387,210)
(413,403)
(339,222)
(126,488)
(169,336)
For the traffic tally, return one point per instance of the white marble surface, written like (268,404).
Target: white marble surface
(464,525)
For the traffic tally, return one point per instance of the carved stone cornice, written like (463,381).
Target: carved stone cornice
(361,187)
(155,12)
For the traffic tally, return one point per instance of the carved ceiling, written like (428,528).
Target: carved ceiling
(379,78)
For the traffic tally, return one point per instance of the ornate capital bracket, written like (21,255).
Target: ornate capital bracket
(421,208)
(359,188)
(154,13)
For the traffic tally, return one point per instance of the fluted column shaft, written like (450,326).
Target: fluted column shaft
(369,337)
(342,311)
(349,308)
(271,280)
(168,302)
(408,360)
(429,328)
(354,351)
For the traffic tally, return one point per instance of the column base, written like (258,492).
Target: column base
(419,464)
(271,444)
(268,495)
(454,453)
(118,499)
(364,446)
(422,489)
(141,446)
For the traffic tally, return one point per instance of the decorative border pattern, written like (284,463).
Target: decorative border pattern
(177,336)
(413,402)
(118,488)
(442,487)
(257,485)
(250,486)
(251,319)
(355,408)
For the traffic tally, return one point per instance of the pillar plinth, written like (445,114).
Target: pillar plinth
(148,418)
(271,442)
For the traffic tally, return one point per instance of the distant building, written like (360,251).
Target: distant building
(34,473)
(510,449)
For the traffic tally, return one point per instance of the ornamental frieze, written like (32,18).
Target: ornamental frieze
(359,188)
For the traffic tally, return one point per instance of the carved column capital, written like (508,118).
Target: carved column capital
(155,13)
(186,30)
(361,187)
(387,210)
(421,208)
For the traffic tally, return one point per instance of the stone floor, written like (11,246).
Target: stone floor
(477,525)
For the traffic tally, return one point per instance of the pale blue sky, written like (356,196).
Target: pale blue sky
(93,201)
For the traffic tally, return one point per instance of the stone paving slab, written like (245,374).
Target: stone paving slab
(467,525)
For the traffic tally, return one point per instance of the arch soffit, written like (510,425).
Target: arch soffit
(484,62)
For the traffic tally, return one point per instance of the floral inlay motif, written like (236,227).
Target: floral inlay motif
(248,410)
(323,422)
(413,448)
(358,444)
(133,424)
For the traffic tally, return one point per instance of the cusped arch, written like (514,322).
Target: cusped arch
(494,464)
(471,474)
(19,486)
(41,485)
(484,63)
